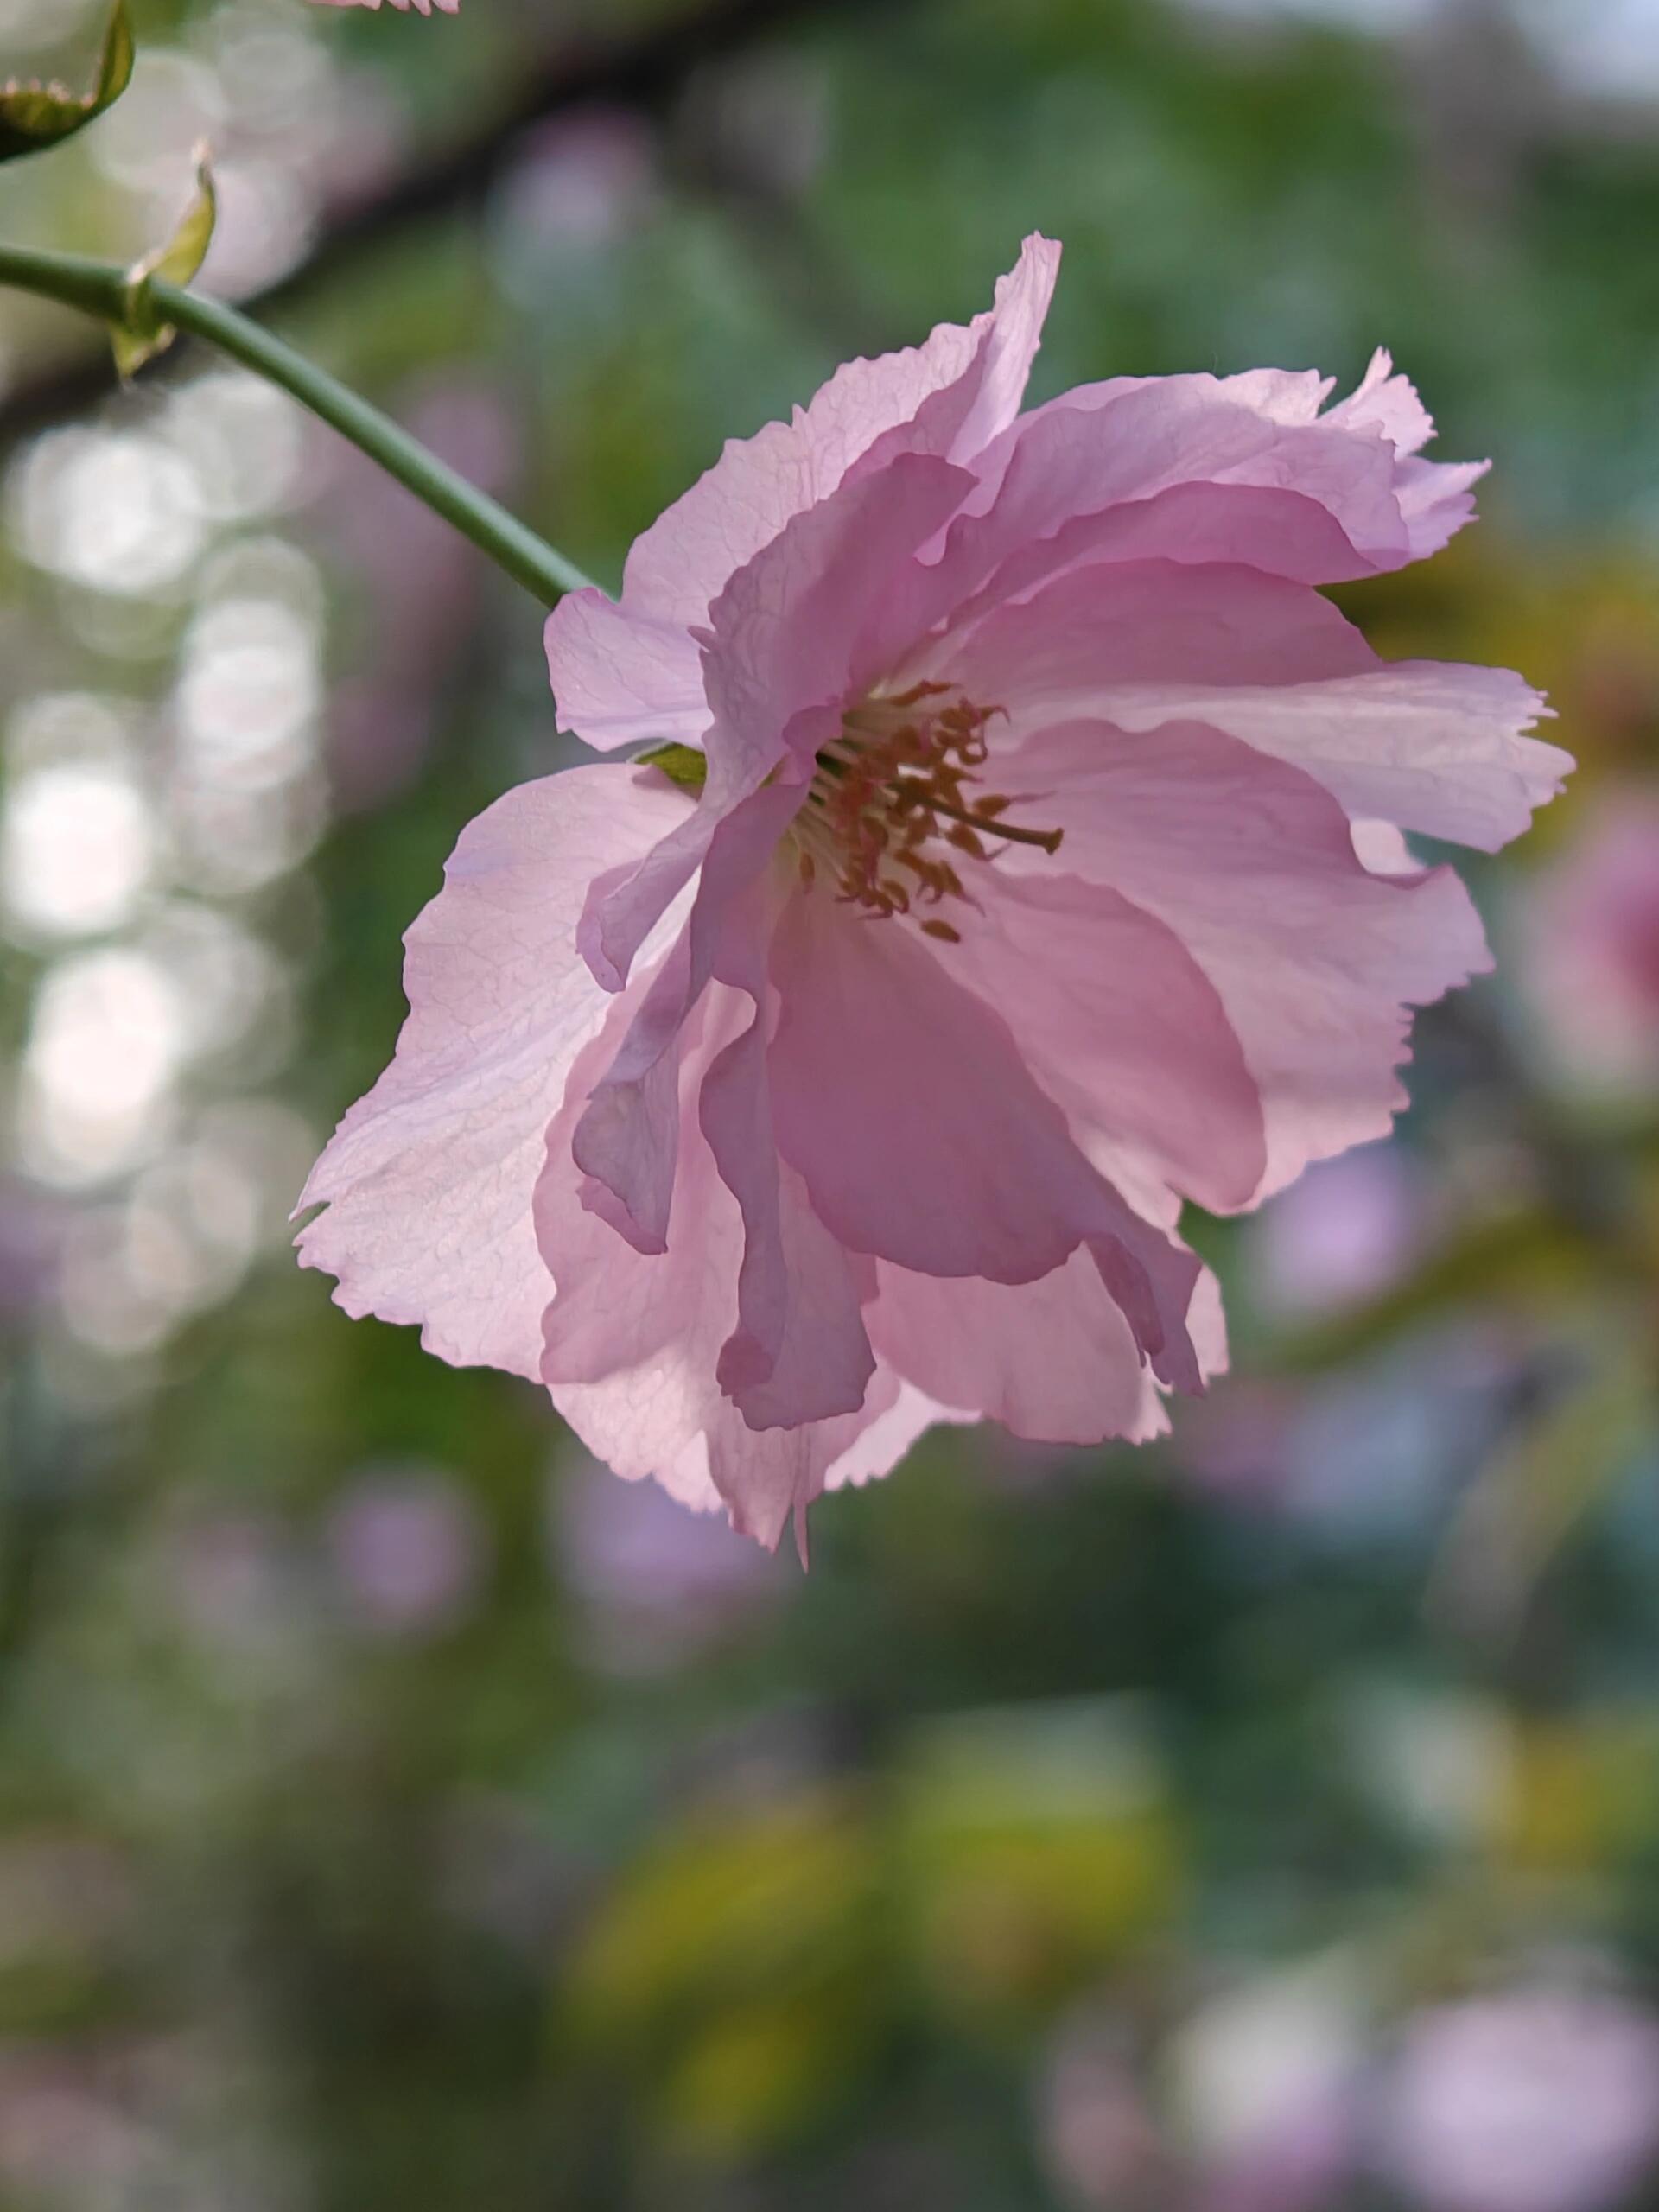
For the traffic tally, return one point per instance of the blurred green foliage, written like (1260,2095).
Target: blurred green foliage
(394,1811)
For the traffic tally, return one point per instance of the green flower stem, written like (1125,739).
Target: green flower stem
(99,288)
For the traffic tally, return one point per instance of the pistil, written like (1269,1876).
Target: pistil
(891,793)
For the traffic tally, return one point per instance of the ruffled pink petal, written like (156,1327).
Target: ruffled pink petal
(632,672)
(420,7)
(1054,485)
(680,565)
(783,634)
(1433,746)
(1435,497)
(629,1126)
(777,661)
(799,1352)
(624,678)
(633,1346)
(1252,863)
(1070,460)
(1054,1361)
(903,1104)
(1120,1027)
(428,1179)
(1139,627)
(1430,746)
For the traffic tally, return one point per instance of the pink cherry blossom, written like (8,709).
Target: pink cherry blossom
(1038,867)
(1534,2099)
(1589,947)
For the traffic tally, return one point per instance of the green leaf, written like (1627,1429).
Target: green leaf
(36,115)
(681,764)
(144,334)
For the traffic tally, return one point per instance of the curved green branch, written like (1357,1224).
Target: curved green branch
(101,289)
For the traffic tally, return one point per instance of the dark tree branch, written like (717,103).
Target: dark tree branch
(646,73)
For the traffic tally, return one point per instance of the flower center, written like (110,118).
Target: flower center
(890,806)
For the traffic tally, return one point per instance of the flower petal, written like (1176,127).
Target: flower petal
(1435,497)
(429,1178)
(902,1101)
(631,1345)
(1120,1027)
(1054,1361)
(1432,746)
(1341,457)
(621,678)
(626,1132)
(681,564)
(778,660)
(1252,863)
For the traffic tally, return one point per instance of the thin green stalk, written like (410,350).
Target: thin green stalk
(100,289)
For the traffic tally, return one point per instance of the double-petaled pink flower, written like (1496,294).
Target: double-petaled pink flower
(1029,863)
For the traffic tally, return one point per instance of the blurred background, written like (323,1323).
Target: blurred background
(396,1812)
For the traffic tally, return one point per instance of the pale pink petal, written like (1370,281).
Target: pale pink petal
(1070,460)
(1252,864)
(895,1092)
(633,1345)
(1054,1361)
(783,634)
(1141,627)
(683,562)
(1432,747)
(799,1352)
(1120,1027)
(628,672)
(1435,497)
(659,1421)
(1054,485)
(1282,394)
(626,1142)
(629,1126)
(429,1178)
(777,661)
(622,678)
(1382,848)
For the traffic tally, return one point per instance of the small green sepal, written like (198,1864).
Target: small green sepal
(34,115)
(682,764)
(143,333)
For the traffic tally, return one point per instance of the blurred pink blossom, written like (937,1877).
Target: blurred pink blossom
(1098,2138)
(655,1581)
(407,1548)
(760,1190)
(582,179)
(1590,946)
(1264,2078)
(1346,1232)
(31,1234)
(1538,2101)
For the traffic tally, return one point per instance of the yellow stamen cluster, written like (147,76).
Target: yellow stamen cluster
(891,793)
